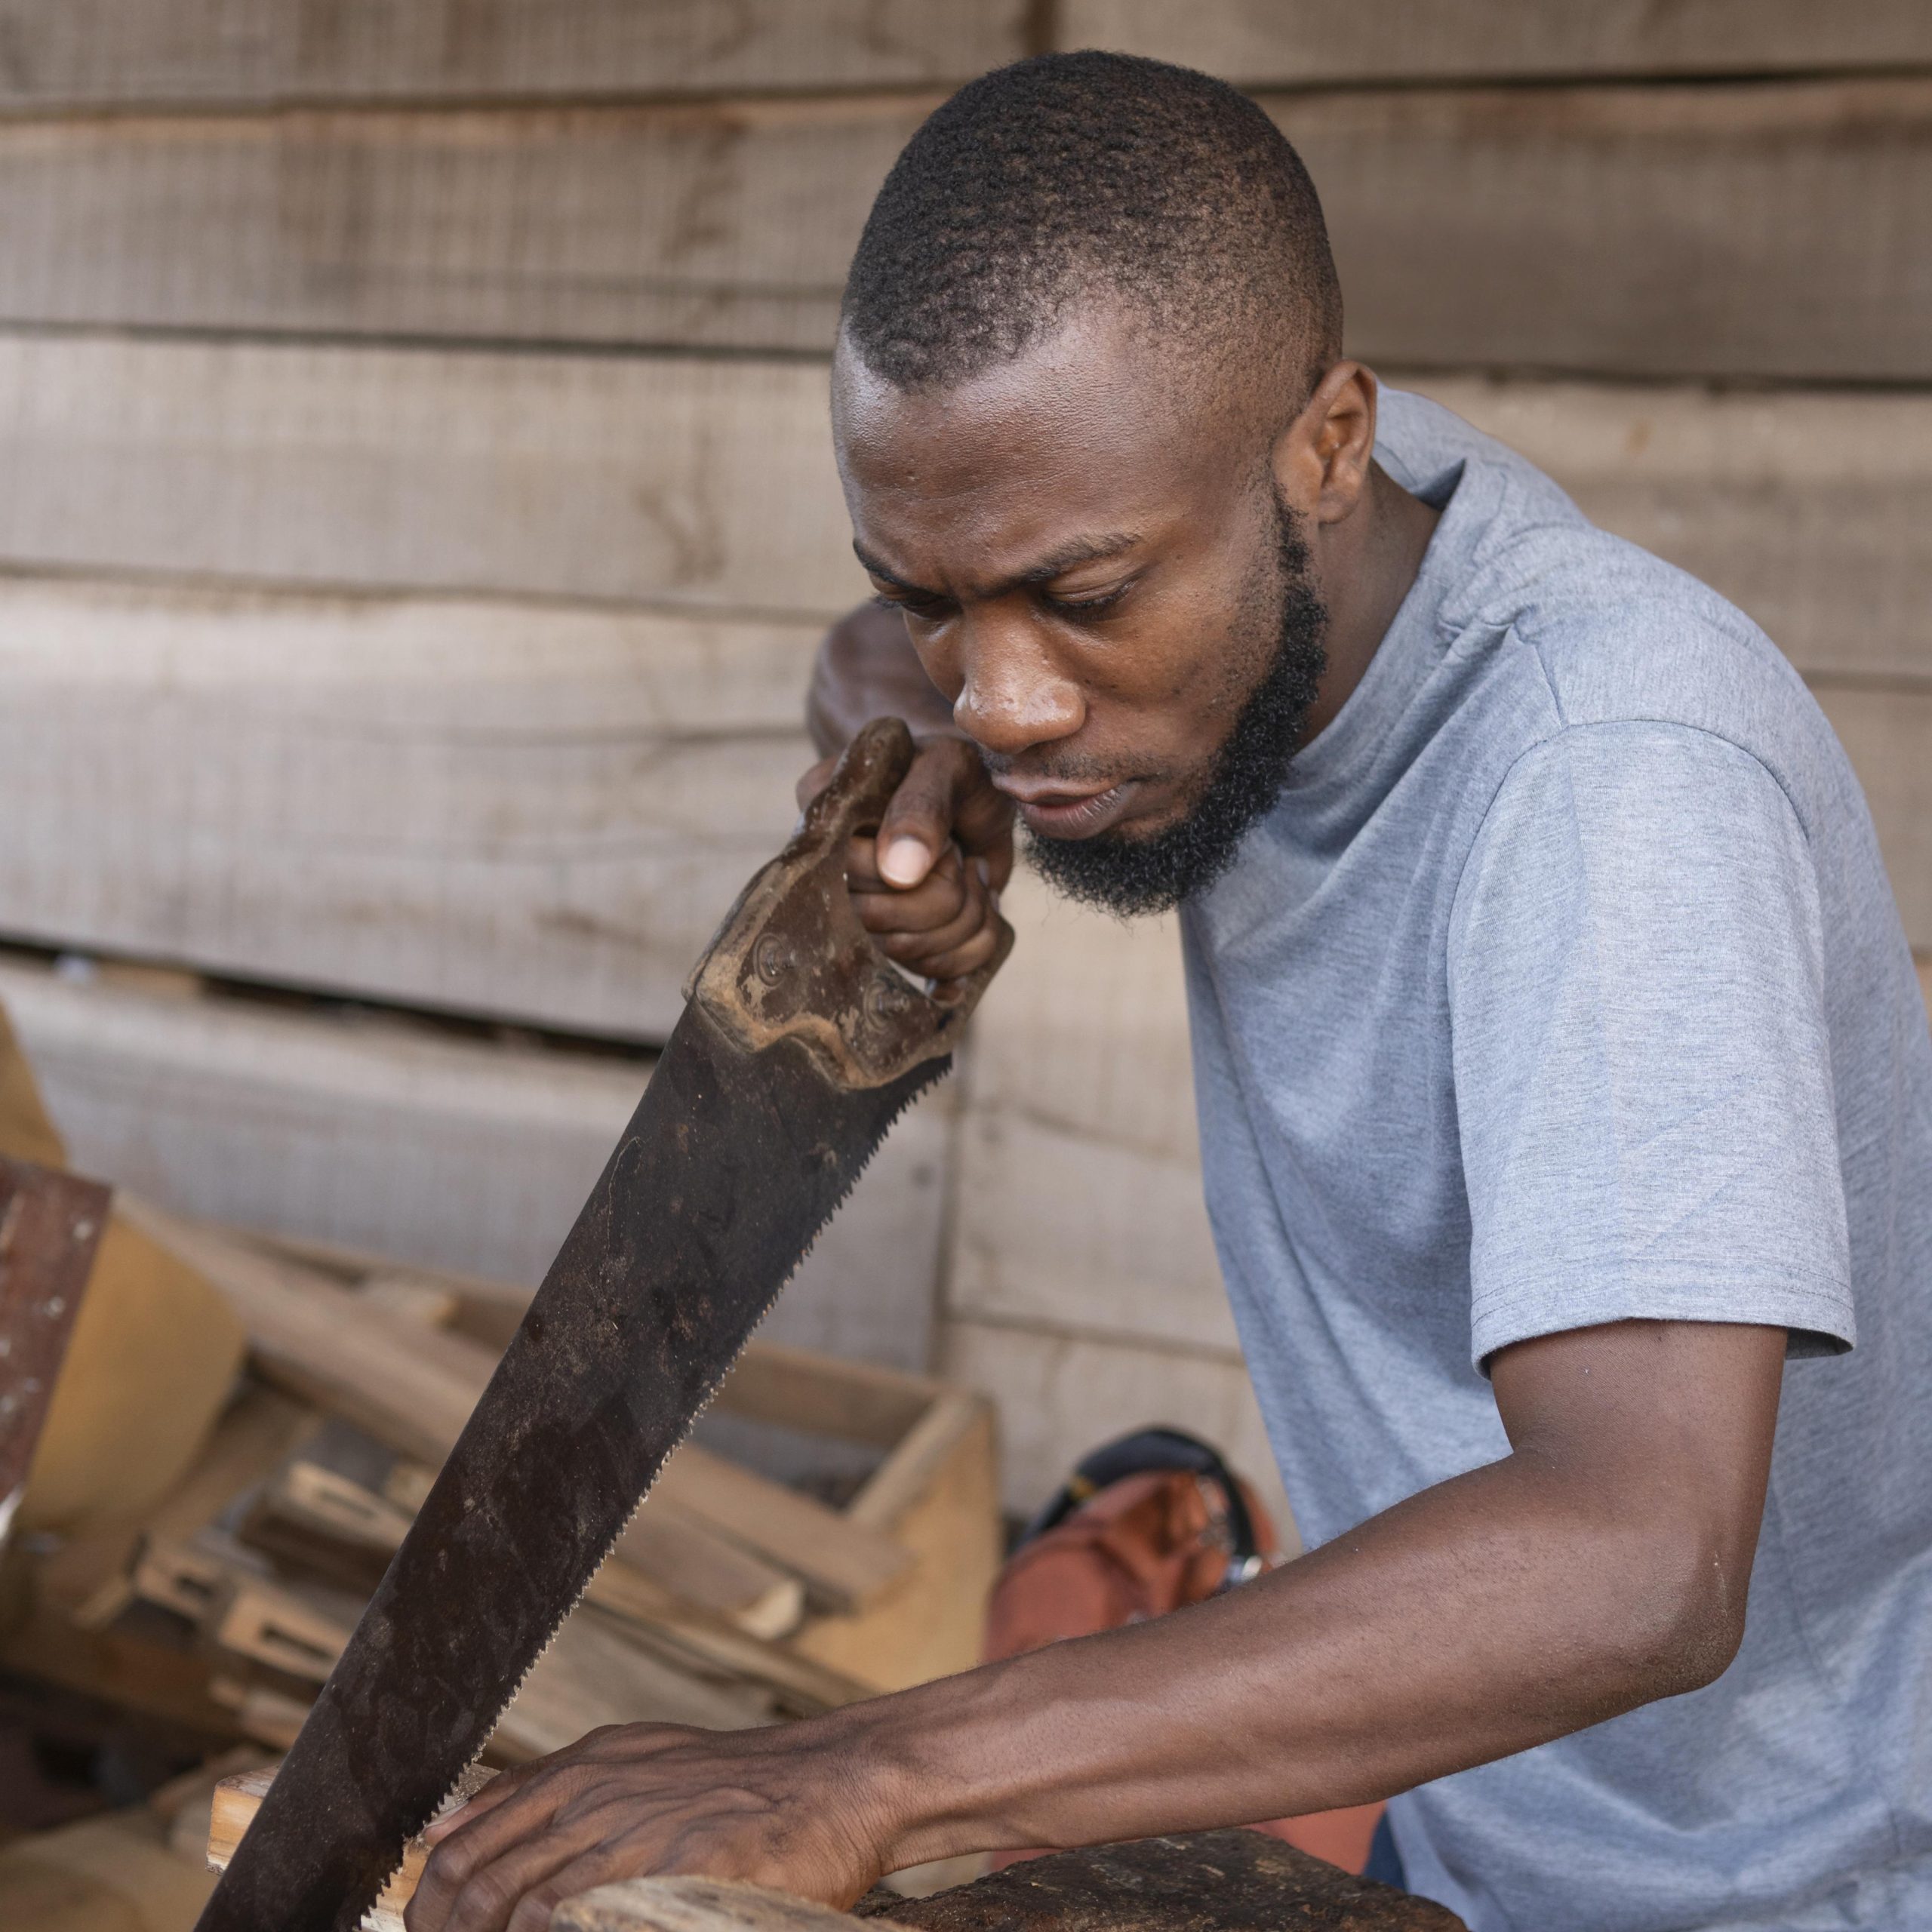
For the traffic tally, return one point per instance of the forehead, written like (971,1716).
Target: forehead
(1096,427)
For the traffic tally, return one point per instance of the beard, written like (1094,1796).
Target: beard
(1129,876)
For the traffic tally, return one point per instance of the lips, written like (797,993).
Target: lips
(1054,812)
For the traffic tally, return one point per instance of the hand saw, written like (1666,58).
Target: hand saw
(798,1045)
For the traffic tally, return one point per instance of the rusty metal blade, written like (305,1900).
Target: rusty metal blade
(733,1162)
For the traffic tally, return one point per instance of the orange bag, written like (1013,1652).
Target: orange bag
(1150,1522)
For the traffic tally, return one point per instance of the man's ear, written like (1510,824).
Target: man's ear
(1321,459)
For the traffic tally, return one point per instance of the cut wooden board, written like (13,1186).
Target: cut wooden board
(1059,1395)
(1285,43)
(659,479)
(539,812)
(100,52)
(1772,229)
(237,1799)
(452,1153)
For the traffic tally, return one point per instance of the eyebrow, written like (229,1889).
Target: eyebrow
(1056,563)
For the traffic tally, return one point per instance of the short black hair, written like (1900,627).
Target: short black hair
(1073,174)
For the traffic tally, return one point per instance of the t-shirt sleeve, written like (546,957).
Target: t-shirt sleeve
(1642,1066)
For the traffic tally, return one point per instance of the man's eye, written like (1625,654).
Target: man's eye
(1087,606)
(926,609)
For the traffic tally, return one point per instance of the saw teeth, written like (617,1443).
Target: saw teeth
(934,1072)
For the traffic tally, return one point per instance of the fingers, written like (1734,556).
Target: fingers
(944,796)
(939,929)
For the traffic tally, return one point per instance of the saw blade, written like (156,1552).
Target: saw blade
(732,1163)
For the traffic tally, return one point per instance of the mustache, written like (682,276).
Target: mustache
(1060,768)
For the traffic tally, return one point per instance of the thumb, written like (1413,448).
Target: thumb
(917,826)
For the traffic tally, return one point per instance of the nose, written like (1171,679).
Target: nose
(1013,695)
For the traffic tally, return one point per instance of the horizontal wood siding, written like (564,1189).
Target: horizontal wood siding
(710,485)
(728,224)
(658,479)
(395,1140)
(108,53)
(533,812)
(1780,229)
(1296,42)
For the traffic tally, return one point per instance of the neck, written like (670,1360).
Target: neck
(1366,564)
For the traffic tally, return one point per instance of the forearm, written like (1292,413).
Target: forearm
(866,668)
(1483,1616)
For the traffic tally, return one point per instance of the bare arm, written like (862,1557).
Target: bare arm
(1601,1564)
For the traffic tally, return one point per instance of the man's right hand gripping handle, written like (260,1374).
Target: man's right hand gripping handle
(928,886)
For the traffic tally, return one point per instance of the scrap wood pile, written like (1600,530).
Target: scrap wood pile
(259,1508)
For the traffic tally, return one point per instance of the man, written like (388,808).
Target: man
(1560,1069)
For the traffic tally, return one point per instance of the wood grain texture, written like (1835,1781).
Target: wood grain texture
(1771,229)
(690,483)
(703,485)
(1888,736)
(99,53)
(1067,1229)
(537,812)
(399,1141)
(728,224)
(1285,43)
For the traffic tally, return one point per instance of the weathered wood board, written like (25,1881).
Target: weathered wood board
(1283,43)
(101,53)
(1068,1230)
(728,223)
(401,1142)
(1770,229)
(537,812)
(1059,1394)
(710,484)
(706,484)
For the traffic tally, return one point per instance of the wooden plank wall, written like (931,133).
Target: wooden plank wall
(416,514)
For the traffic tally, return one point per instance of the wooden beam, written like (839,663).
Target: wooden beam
(1485,227)
(98,53)
(1285,43)
(695,1905)
(457,1153)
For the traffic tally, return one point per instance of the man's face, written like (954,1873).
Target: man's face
(1097,572)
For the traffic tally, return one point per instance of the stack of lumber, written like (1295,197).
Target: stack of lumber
(419,511)
(730,1598)
(211,1616)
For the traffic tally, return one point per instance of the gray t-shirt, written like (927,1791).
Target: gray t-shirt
(1564,985)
